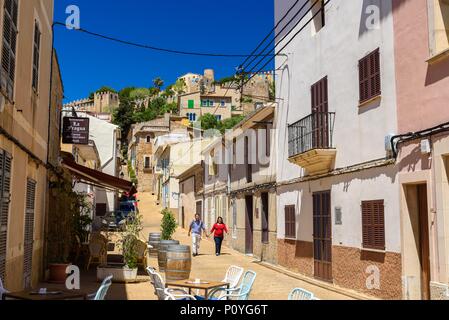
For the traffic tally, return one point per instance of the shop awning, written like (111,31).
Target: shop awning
(97,178)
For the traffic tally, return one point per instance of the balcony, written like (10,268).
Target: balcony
(310,144)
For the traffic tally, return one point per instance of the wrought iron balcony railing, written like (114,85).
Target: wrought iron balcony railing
(312,132)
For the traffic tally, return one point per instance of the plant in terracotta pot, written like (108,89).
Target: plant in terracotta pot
(69,214)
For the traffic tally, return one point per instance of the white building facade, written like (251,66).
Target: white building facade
(338,213)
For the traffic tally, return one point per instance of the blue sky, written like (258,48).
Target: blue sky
(87,63)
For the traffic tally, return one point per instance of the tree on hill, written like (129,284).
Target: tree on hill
(158,83)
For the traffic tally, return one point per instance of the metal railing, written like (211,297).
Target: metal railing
(312,132)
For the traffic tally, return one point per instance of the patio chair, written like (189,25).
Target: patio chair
(97,252)
(171,295)
(241,292)
(2,289)
(233,276)
(161,292)
(300,294)
(103,290)
(142,251)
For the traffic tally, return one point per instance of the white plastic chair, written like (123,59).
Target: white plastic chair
(2,289)
(242,292)
(102,290)
(161,292)
(171,295)
(233,276)
(301,294)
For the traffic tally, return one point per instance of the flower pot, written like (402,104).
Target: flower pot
(119,274)
(58,272)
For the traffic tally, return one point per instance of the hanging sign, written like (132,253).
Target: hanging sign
(75,130)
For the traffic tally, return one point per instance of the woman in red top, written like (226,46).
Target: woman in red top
(219,229)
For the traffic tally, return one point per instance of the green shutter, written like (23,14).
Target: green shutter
(191,104)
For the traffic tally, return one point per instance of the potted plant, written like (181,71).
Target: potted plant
(70,218)
(168,225)
(129,245)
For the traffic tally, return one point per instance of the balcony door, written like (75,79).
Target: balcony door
(320,114)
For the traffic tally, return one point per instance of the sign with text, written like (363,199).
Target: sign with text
(75,130)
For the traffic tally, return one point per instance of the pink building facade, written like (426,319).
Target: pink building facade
(421,31)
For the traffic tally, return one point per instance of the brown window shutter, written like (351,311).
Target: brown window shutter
(290,221)
(369,76)
(373,224)
(9,44)
(29,233)
(5,185)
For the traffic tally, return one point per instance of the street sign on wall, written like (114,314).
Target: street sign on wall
(75,130)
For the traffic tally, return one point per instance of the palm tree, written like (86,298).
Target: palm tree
(158,83)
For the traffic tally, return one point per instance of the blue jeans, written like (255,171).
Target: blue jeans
(218,242)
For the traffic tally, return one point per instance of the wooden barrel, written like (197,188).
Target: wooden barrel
(153,240)
(179,263)
(162,253)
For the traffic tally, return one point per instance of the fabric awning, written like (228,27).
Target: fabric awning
(98,178)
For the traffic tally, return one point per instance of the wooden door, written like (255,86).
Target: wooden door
(424,241)
(322,236)
(320,121)
(249,225)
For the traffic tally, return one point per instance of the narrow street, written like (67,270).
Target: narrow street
(269,285)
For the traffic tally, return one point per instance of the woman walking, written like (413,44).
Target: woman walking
(219,229)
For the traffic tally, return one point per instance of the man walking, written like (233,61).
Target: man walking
(196,228)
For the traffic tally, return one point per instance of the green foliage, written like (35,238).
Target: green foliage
(230,123)
(179,86)
(168,224)
(210,122)
(70,217)
(130,239)
(123,115)
(158,83)
(139,93)
(81,217)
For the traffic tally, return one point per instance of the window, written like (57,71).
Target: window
(147,162)
(5,185)
(148,139)
(36,55)
(249,168)
(223,103)
(438,26)
(290,222)
(369,76)
(191,104)
(191,117)
(9,48)
(373,224)
(211,103)
(218,117)
(204,103)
